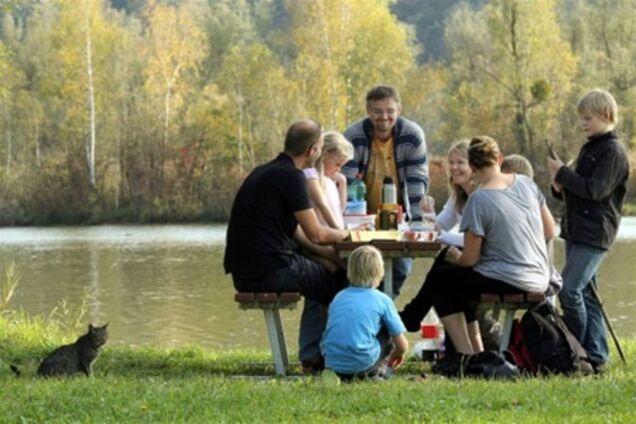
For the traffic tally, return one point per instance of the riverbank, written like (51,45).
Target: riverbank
(191,384)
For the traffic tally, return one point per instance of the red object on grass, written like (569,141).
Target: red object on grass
(429,331)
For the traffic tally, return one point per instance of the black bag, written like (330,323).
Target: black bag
(518,350)
(550,344)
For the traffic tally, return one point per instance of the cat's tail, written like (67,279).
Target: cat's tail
(15,370)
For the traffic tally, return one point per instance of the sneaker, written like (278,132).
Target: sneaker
(451,365)
(489,364)
(599,367)
(313,366)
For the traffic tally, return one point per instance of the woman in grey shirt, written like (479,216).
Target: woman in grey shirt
(506,224)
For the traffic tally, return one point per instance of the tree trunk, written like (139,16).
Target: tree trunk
(90,151)
(9,138)
(37,145)
(166,118)
(240,131)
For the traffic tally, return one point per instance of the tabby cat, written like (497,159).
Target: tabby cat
(73,358)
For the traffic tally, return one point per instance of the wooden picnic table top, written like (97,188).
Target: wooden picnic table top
(392,248)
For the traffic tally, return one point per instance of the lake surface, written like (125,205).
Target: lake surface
(164,285)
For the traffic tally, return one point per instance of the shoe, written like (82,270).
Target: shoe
(313,366)
(598,367)
(489,364)
(451,365)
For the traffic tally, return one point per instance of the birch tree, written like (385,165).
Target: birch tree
(76,35)
(175,47)
(90,86)
(262,99)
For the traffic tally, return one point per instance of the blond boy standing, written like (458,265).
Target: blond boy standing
(593,193)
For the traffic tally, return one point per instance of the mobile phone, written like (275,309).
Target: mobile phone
(550,147)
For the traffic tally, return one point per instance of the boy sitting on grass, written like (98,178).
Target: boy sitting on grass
(361,320)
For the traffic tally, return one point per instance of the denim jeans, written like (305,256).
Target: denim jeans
(581,311)
(312,325)
(401,271)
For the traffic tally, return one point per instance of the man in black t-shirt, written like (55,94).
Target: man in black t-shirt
(271,212)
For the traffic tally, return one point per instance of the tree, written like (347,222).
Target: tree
(343,48)
(84,38)
(511,71)
(602,35)
(225,23)
(175,47)
(428,18)
(262,98)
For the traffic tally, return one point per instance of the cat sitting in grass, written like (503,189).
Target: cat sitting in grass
(73,358)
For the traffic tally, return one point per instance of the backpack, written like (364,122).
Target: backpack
(518,350)
(544,344)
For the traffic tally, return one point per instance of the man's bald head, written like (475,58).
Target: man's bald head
(301,135)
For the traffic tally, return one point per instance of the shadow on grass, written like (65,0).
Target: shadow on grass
(188,361)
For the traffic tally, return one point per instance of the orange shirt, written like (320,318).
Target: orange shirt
(381,164)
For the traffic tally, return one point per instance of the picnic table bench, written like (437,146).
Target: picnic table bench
(271,304)
(511,303)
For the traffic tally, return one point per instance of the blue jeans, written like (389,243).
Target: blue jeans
(401,271)
(581,311)
(312,325)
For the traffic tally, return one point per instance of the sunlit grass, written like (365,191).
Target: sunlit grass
(192,384)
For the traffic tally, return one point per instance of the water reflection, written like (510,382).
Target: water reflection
(165,286)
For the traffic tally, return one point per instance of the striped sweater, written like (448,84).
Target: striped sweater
(410,155)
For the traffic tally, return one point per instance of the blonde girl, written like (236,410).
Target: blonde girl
(327,186)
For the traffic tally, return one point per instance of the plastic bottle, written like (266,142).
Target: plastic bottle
(431,346)
(357,190)
(389,192)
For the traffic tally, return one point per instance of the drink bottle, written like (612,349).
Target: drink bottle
(431,346)
(389,192)
(357,190)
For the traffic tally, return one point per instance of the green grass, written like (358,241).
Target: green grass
(190,384)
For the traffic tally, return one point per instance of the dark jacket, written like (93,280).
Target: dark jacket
(594,192)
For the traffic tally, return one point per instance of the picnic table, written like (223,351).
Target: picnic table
(390,250)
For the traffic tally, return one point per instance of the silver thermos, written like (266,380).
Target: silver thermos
(389,191)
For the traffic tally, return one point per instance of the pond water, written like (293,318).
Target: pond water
(164,285)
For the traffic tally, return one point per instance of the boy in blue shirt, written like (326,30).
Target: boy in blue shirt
(593,193)
(361,319)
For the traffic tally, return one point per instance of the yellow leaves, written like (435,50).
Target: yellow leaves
(511,68)
(343,49)
(175,45)
(540,90)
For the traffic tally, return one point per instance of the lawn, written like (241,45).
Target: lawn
(191,384)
